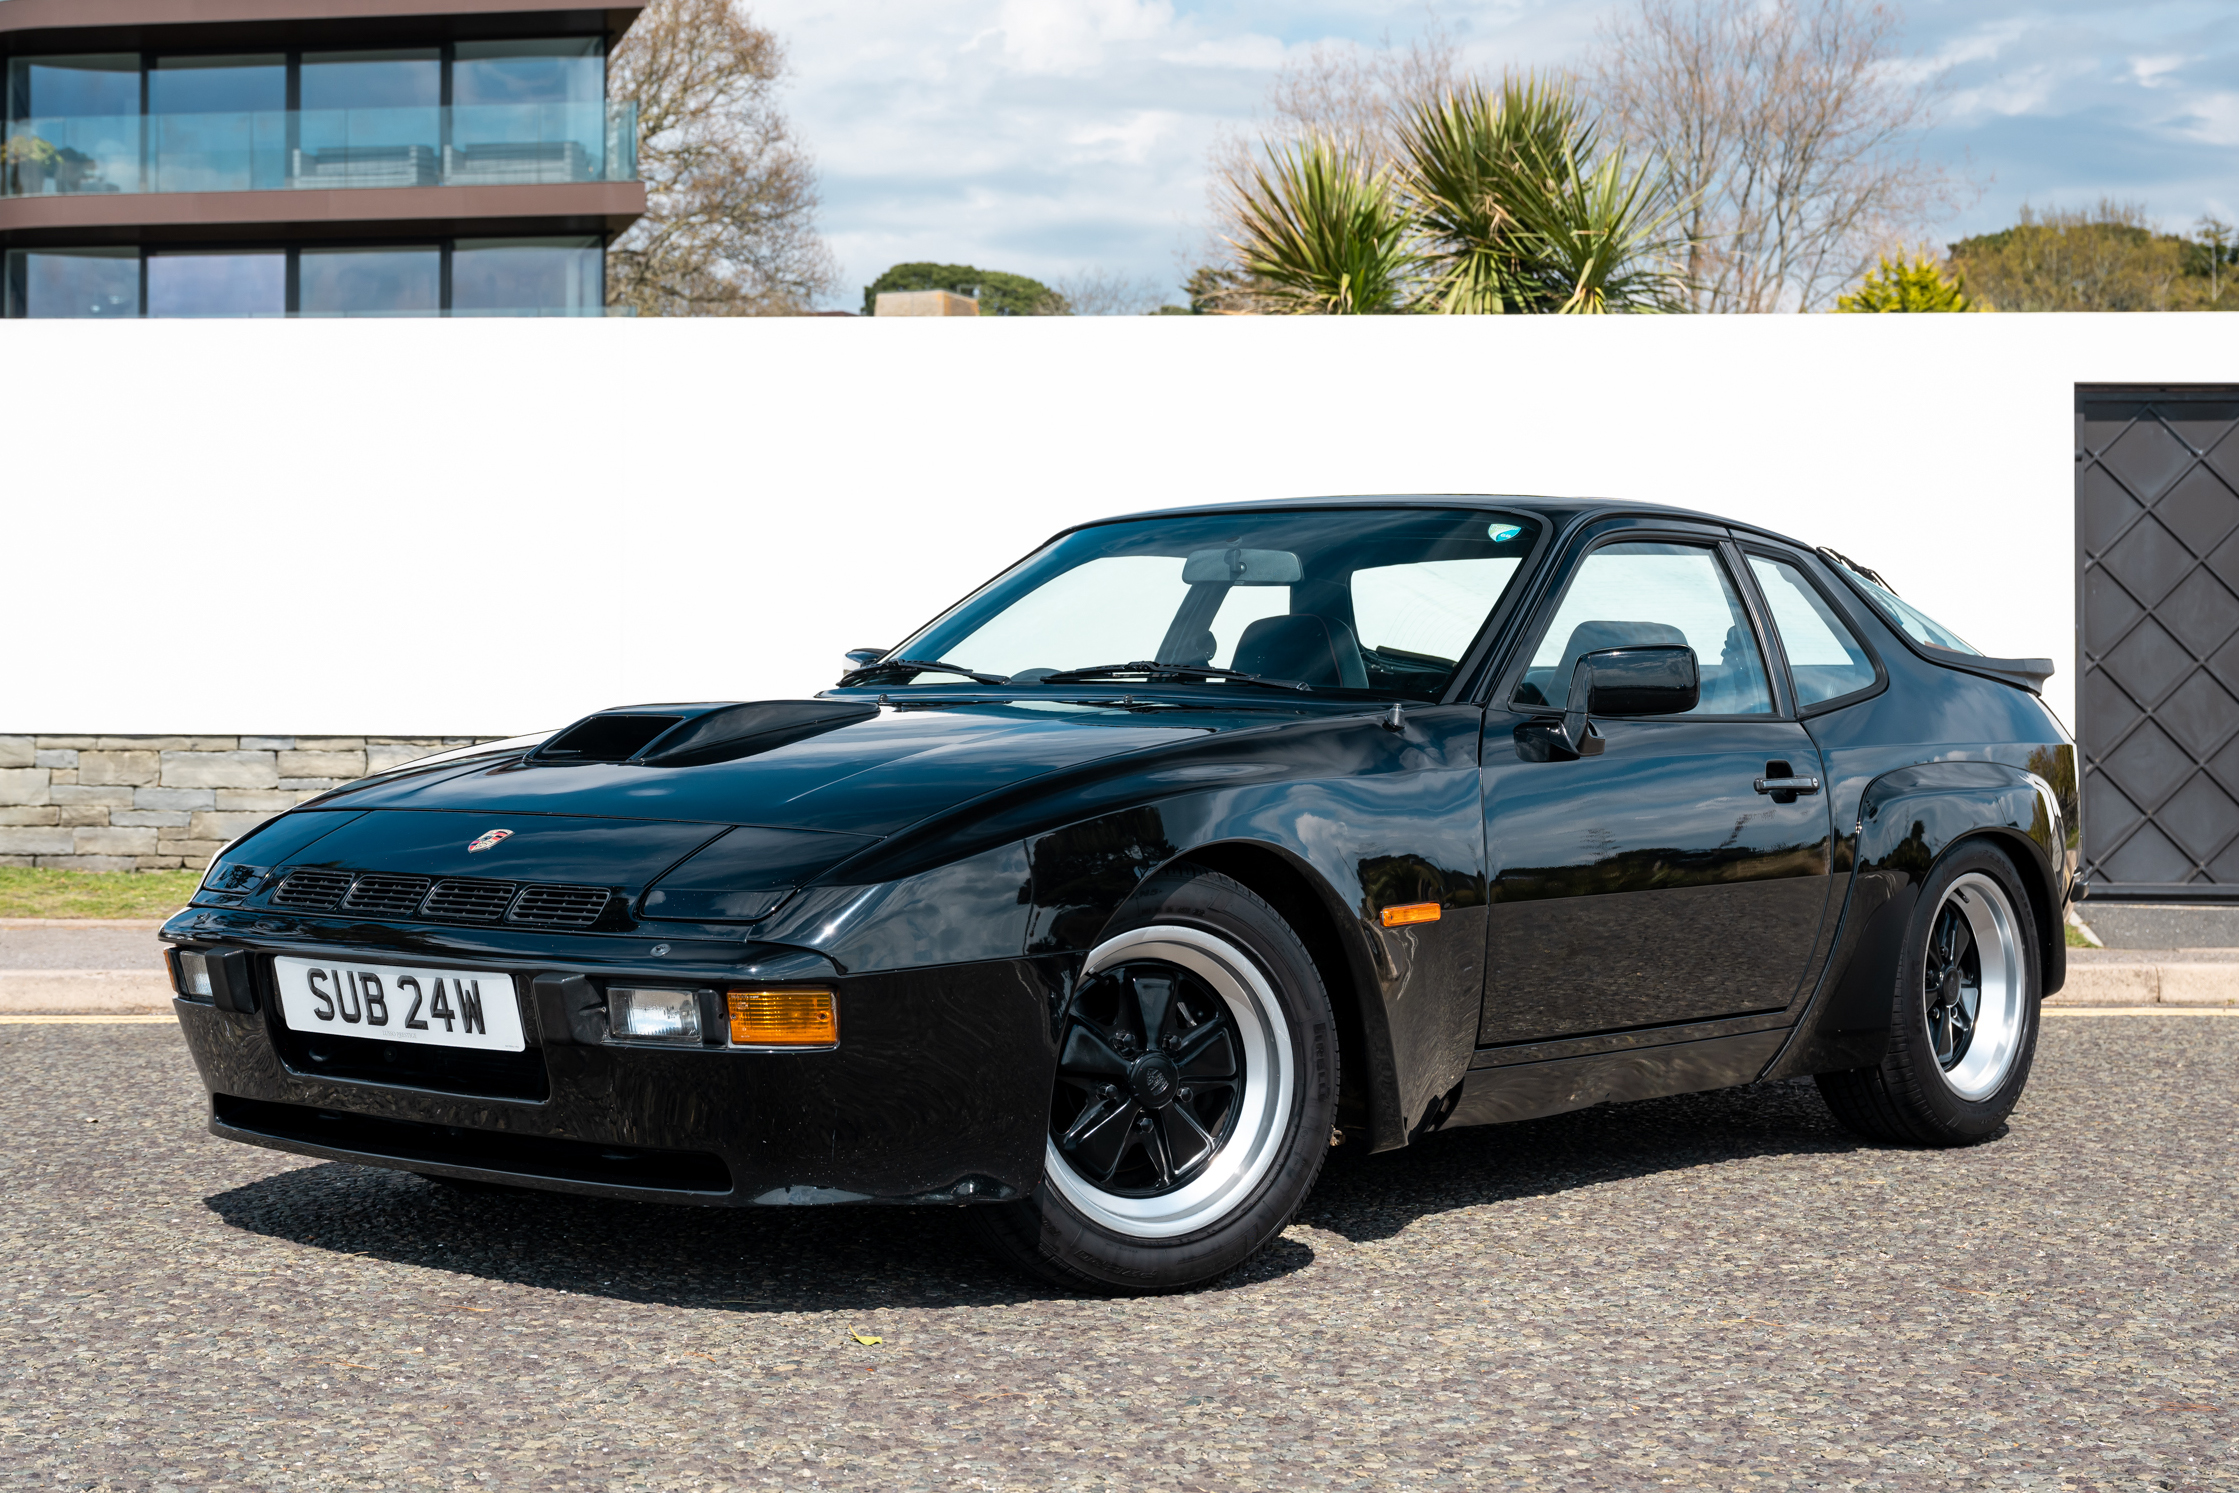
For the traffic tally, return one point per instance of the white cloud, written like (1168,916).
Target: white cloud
(2214,119)
(1073,36)
(2153,72)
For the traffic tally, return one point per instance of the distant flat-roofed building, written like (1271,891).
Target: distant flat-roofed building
(312,158)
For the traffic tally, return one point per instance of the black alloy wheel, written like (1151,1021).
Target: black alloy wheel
(1952,985)
(1193,1097)
(1150,1071)
(1963,1016)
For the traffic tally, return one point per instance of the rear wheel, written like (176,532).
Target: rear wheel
(1963,1029)
(1196,1089)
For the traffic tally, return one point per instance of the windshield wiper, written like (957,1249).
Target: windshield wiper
(1172,671)
(920,665)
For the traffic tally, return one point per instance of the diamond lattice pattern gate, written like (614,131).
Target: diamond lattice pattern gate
(2157,561)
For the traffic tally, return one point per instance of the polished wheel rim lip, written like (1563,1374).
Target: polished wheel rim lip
(1269,1080)
(1985,1041)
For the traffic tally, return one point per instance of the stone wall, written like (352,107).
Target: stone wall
(158,803)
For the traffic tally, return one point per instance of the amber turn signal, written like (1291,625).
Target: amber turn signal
(784,1018)
(1411,912)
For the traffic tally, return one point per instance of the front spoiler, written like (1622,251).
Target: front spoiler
(938,1093)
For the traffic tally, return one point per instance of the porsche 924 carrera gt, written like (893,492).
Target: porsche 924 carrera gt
(1193,844)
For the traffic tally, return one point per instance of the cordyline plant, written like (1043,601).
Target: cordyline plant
(1501,201)
(1325,233)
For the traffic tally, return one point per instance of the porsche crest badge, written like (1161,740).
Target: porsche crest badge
(484,842)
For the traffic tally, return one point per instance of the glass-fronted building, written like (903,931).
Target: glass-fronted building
(348,158)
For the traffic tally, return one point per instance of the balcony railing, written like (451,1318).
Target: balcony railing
(275,150)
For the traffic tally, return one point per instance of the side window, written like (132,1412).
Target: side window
(1654,595)
(1824,657)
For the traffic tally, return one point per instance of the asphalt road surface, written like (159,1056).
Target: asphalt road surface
(1722,1291)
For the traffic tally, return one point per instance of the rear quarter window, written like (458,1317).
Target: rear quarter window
(1825,660)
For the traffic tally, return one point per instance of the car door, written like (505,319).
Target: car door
(1663,880)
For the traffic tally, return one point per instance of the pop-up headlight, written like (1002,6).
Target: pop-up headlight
(653,1015)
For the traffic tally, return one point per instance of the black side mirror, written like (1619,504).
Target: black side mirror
(1636,681)
(1620,682)
(863,658)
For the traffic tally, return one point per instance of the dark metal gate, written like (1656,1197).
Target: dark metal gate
(2157,575)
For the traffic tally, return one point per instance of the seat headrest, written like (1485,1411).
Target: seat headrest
(1304,646)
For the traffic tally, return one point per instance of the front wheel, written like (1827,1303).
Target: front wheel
(1963,1029)
(1195,1094)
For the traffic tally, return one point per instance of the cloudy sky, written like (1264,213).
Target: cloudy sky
(1057,138)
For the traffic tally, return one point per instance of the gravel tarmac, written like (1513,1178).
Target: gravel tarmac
(1718,1291)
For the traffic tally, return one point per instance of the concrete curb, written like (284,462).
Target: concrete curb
(2150,977)
(89,991)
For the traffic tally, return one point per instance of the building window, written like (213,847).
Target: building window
(466,277)
(528,277)
(387,281)
(56,284)
(470,114)
(207,283)
(218,124)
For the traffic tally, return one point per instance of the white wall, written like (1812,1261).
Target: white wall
(492,527)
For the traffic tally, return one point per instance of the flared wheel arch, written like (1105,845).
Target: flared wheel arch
(1369,1106)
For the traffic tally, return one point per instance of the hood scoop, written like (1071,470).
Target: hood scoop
(614,736)
(691,735)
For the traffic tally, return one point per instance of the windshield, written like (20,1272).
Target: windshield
(1917,624)
(1337,599)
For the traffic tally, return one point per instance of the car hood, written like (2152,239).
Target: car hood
(872,777)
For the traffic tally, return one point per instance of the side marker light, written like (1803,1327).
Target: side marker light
(784,1018)
(1410,912)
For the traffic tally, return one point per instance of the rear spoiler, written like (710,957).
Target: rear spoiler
(2022,673)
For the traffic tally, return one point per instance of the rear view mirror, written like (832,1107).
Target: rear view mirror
(1241,567)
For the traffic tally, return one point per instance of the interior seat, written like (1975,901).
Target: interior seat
(1305,646)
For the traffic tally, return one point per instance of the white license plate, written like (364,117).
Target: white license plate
(401,1003)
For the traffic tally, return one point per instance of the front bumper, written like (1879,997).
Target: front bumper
(937,1093)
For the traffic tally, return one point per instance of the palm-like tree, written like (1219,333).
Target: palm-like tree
(1526,211)
(1325,232)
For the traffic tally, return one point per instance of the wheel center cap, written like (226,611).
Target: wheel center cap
(1154,1079)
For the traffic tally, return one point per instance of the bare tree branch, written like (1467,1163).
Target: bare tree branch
(731,200)
(1789,132)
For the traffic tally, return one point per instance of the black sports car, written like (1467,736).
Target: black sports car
(1190,846)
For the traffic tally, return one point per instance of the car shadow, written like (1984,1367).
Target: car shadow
(1364,1198)
(861,1258)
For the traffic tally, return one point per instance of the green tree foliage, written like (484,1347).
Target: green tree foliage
(1327,233)
(2110,259)
(999,294)
(1907,284)
(1526,211)
(1497,200)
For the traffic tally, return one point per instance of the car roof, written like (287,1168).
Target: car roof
(1562,513)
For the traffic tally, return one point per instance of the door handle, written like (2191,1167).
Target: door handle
(1788,785)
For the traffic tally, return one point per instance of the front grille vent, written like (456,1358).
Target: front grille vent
(314,890)
(470,901)
(386,896)
(560,906)
(382,894)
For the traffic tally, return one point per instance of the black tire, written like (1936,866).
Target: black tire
(1923,1092)
(1244,1191)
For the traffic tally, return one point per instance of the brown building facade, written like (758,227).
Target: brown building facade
(311,158)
